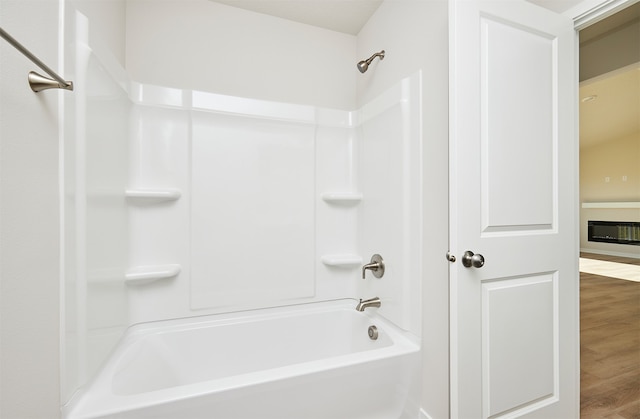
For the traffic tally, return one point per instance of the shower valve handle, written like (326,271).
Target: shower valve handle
(376,266)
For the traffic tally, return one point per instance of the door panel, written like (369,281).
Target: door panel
(519,332)
(517,140)
(513,199)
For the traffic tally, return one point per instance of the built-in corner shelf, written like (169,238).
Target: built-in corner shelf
(153,195)
(342,260)
(342,197)
(611,205)
(140,275)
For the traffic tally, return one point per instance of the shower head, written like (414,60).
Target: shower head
(364,64)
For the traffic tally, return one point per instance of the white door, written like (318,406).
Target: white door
(513,201)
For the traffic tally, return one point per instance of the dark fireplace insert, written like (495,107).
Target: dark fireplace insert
(621,232)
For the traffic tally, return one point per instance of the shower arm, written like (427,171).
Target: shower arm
(377,54)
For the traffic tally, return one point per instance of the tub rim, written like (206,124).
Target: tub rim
(97,397)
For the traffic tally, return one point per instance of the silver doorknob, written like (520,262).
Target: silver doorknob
(470,259)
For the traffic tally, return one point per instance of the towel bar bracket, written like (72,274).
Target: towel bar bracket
(37,81)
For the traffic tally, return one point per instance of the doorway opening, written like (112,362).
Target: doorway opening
(610,195)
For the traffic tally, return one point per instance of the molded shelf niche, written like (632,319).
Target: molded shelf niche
(141,275)
(342,198)
(153,195)
(342,260)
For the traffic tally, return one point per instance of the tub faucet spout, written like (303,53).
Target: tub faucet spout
(371,302)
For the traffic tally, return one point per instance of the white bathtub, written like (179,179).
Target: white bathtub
(299,362)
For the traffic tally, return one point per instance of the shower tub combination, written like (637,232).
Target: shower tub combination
(300,362)
(193,331)
(287,358)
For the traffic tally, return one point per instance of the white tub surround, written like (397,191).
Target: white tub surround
(283,202)
(229,204)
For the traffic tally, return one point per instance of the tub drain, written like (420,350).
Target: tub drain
(373,332)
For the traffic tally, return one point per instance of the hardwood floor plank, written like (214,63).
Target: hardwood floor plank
(630,412)
(610,345)
(615,393)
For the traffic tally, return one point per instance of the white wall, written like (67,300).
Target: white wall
(234,52)
(414,35)
(29,217)
(107,24)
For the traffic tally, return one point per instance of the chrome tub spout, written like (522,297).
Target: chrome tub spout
(371,302)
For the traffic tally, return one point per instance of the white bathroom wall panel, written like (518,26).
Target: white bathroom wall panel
(390,167)
(337,228)
(106,111)
(107,30)
(159,234)
(95,156)
(262,202)
(106,173)
(252,211)
(250,218)
(160,149)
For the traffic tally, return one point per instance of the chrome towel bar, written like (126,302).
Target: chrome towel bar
(38,82)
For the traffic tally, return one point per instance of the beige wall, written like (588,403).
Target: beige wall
(612,160)
(603,168)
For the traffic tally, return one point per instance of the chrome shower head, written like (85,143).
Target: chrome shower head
(364,64)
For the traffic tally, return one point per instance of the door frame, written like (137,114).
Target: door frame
(589,12)
(585,14)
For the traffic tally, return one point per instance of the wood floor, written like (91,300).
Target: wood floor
(610,345)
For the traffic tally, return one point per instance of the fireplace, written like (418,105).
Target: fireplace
(620,232)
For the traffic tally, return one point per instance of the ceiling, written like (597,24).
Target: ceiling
(610,24)
(614,111)
(556,5)
(346,16)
